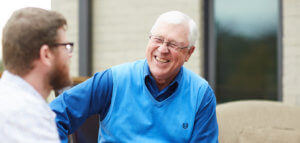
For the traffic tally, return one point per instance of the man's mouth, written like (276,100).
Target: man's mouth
(161,59)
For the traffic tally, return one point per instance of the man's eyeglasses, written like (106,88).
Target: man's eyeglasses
(69,46)
(159,41)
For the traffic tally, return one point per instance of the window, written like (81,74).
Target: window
(243,48)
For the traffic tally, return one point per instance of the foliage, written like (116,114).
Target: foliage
(1,66)
(247,66)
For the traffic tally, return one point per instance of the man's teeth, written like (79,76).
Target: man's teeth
(161,60)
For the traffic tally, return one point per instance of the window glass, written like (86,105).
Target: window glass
(246,49)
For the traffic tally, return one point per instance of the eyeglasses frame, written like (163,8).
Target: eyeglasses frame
(69,46)
(168,43)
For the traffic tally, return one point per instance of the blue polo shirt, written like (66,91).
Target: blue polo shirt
(94,97)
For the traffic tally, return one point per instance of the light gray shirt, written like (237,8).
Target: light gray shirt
(25,117)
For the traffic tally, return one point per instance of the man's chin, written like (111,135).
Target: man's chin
(60,77)
(60,84)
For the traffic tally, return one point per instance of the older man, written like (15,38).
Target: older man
(36,55)
(153,100)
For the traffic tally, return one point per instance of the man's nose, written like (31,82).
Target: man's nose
(163,47)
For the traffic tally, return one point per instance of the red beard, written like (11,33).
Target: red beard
(59,76)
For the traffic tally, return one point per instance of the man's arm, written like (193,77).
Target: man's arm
(206,126)
(75,105)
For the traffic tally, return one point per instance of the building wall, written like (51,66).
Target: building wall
(69,8)
(121,35)
(120,29)
(291,52)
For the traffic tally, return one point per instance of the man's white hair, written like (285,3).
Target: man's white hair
(177,17)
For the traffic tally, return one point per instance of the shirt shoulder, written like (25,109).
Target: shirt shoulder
(14,100)
(25,118)
(194,79)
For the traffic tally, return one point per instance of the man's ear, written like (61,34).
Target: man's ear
(46,55)
(190,52)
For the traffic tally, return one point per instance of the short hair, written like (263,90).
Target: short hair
(24,34)
(177,17)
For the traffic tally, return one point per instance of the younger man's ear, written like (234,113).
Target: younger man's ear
(46,55)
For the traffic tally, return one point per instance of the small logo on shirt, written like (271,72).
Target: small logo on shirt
(185,125)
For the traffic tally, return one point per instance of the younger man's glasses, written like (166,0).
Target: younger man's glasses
(69,46)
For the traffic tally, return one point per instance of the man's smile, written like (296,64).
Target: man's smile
(161,60)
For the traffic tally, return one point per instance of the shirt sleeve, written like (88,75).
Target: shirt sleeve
(206,126)
(75,105)
(28,126)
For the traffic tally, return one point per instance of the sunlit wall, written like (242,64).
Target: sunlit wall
(120,29)
(291,52)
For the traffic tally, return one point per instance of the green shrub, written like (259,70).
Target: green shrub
(1,66)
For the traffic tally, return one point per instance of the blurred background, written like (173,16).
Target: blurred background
(246,49)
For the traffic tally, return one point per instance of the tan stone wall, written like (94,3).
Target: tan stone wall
(69,8)
(121,29)
(291,52)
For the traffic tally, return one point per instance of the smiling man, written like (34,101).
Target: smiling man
(36,57)
(152,100)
